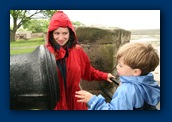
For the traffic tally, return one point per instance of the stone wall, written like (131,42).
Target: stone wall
(37,35)
(28,35)
(23,35)
(101,46)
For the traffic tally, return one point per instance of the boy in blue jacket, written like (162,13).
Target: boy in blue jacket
(138,89)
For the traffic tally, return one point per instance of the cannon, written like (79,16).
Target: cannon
(33,80)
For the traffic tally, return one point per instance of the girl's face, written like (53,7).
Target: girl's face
(123,69)
(61,35)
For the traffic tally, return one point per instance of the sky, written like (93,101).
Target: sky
(125,19)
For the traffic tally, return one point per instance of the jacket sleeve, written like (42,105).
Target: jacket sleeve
(122,100)
(88,72)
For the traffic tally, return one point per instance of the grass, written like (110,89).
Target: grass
(25,46)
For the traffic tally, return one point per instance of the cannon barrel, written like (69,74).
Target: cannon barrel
(33,80)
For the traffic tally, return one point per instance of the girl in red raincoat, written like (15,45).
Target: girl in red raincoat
(72,62)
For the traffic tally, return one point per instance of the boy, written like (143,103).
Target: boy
(138,89)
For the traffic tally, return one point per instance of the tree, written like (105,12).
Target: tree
(20,17)
(36,26)
(77,23)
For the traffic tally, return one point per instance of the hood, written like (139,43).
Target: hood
(147,86)
(60,19)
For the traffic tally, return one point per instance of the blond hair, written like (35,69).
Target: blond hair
(139,55)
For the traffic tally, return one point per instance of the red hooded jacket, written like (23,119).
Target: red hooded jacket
(78,67)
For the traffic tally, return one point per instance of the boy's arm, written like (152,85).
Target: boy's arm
(94,102)
(123,99)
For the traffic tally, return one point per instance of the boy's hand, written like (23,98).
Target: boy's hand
(83,96)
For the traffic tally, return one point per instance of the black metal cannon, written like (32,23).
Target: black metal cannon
(33,80)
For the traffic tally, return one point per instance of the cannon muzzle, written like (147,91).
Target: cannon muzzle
(33,80)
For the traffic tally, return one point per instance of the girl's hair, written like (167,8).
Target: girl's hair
(139,55)
(72,39)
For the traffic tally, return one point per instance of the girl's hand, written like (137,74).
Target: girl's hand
(83,96)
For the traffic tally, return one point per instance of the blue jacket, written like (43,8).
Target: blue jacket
(132,93)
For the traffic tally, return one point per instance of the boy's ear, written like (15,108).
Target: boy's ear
(136,72)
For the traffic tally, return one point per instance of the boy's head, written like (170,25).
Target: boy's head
(141,56)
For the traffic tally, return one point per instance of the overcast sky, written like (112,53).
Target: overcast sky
(126,19)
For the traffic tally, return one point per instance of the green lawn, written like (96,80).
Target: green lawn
(25,46)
